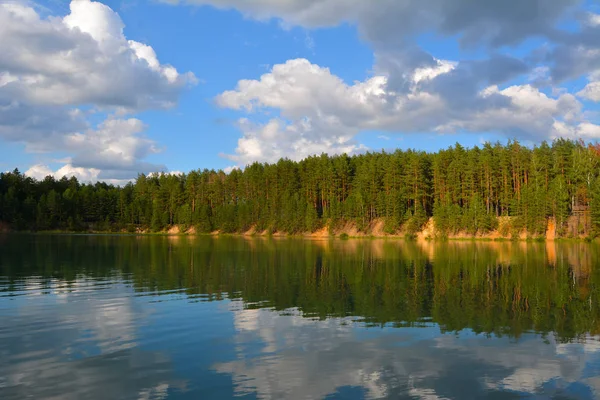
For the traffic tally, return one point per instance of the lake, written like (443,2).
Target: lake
(142,317)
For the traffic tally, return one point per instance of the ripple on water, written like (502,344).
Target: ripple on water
(143,318)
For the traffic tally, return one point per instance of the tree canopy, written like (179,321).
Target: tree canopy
(463,189)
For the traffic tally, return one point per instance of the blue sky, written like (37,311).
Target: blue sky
(81,93)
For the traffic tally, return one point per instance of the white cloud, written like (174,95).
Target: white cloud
(53,68)
(309,13)
(322,106)
(299,89)
(40,171)
(95,19)
(36,124)
(277,139)
(319,112)
(116,144)
(430,72)
(83,58)
(159,173)
(572,60)
(113,152)
(84,175)
(552,115)
(539,74)
(412,91)
(591,91)
(584,130)
(593,19)
(491,22)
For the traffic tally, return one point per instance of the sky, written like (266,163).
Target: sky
(106,90)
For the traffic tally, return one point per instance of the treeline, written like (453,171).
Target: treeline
(465,190)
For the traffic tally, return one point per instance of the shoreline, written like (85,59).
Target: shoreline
(505,232)
(341,237)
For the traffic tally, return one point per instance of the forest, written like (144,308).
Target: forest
(464,190)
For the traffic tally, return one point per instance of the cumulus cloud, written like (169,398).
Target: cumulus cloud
(312,119)
(591,91)
(278,139)
(54,68)
(84,175)
(116,144)
(319,112)
(40,171)
(300,88)
(411,89)
(554,116)
(392,26)
(83,58)
(576,54)
(310,13)
(593,19)
(572,62)
(493,23)
(36,124)
(112,152)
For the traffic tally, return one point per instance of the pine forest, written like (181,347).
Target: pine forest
(511,189)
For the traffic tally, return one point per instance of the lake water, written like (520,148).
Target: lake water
(126,317)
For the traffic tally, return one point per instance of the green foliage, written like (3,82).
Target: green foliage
(464,190)
(391,225)
(595,208)
(311,219)
(504,229)
(417,220)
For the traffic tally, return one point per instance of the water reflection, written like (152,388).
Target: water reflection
(75,340)
(301,358)
(157,317)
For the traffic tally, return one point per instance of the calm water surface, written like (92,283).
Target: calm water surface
(124,317)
